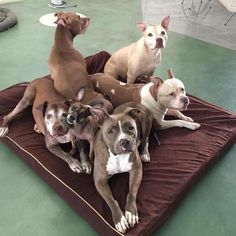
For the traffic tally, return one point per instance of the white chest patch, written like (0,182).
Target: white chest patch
(118,163)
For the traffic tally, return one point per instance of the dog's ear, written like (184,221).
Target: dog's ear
(170,73)
(80,95)
(165,22)
(142,26)
(85,21)
(99,114)
(43,107)
(68,102)
(133,112)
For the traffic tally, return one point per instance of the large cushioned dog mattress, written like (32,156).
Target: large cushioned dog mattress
(176,164)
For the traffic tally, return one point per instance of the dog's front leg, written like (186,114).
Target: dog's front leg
(104,190)
(83,151)
(166,124)
(178,114)
(71,161)
(135,177)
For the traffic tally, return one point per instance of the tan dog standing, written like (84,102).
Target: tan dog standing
(141,58)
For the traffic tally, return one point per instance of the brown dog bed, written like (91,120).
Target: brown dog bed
(176,164)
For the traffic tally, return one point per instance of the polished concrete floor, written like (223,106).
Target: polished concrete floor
(28,206)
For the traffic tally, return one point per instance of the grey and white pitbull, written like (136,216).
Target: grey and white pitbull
(116,151)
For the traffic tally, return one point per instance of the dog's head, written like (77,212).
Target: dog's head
(119,131)
(55,118)
(78,113)
(155,36)
(73,22)
(172,94)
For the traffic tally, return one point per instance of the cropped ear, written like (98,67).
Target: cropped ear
(68,102)
(80,95)
(133,112)
(170,73)
(165,22)
(43,107)
(142,25)
(86,21)
(99,114)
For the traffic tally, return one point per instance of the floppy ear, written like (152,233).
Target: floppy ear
(43,107)
(170,73)
(165,22)
(142,25)
(100,114)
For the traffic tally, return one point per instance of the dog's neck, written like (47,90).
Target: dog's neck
(150,101)
(63,38)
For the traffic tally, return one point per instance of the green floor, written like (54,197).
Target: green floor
(28,206)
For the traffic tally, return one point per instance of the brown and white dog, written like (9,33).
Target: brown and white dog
(116,151)
(161,98)
(67,65)
(50,113)
(141,58)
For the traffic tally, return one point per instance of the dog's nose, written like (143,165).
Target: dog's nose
(185,100)
(71,119)
(58,128)
(159,43)
(125,143)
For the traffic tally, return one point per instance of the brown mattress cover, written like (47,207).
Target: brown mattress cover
(179,161)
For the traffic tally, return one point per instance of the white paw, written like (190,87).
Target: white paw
(75,165)
(131,218)
(194,126)
(186,118)
(3,131)
(87,167)
(122,225)
(145,157)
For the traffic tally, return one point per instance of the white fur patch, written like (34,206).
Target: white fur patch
(113,91)
(122,83)
(97,84)
(65,138)
(118,163)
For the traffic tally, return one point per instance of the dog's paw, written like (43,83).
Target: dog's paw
(3,131)
(122,225)
(132,218)
(187,118)
(145,157)
(194,126)
(87,167)
(75,165)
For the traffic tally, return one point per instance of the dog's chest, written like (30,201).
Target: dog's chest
(118,163)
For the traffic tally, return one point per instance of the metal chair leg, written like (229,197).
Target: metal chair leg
(229,18)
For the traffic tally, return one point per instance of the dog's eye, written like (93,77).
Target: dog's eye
(110,131)
(150,35)
(182,89)
(48,116)
(130,128)
(163,32)
(172,94)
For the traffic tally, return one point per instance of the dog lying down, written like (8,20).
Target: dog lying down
(162,98)
(50,112)
(116,151)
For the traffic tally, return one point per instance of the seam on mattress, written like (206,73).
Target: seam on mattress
(30,154)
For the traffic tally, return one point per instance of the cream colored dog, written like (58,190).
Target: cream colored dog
(141,58)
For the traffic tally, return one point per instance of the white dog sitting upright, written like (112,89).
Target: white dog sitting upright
(141,58)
